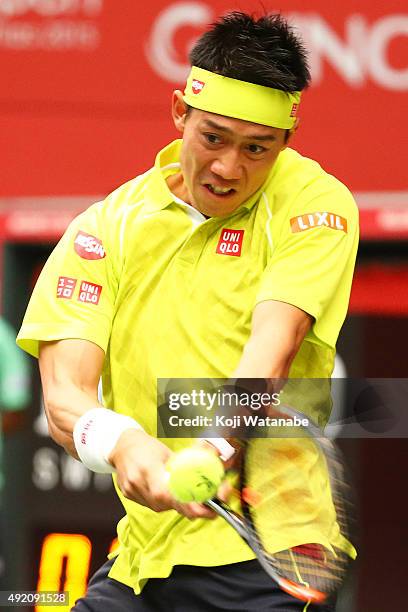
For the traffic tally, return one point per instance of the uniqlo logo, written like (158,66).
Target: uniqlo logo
(293,112)
(230,242)
(66,287)
(89,293)
(197,86)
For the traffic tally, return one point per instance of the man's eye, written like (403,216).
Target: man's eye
(212,138)
(254,148)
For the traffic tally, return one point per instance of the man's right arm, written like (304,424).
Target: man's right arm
(70,373)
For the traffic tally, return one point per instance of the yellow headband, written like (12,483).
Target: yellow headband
(214,93)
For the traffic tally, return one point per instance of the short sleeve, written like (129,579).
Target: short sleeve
(75,293)
(313,258)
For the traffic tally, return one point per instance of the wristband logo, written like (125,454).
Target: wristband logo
(87,427)
(197,86)
(88,246)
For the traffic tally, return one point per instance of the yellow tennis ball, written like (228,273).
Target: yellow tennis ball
(194,475)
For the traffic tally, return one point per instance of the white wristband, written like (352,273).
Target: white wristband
(225,449)
(96,433)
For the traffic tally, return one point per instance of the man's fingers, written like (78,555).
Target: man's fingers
(225,491)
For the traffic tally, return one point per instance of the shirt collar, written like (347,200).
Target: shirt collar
(167,161)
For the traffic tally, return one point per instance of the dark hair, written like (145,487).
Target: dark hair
(264,51)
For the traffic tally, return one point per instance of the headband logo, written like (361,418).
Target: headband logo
(197,86)
(293,112)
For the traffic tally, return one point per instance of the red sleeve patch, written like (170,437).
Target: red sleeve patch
(88,246)
(89,293)
(66,287)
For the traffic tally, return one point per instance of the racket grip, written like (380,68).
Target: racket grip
(228,515)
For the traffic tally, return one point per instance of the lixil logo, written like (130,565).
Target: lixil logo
(318,219)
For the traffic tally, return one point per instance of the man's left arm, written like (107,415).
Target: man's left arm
(278,330)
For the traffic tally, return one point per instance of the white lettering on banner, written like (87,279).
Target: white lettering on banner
(161,49)
(45,472)
(324,44)
(51,469)
(360,55)
(393,220)
(58,35)
(47,8)
(381,71)
(63,26)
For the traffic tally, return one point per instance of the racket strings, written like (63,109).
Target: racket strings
(325,576)
(311,565)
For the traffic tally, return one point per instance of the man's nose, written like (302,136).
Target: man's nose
(227,165)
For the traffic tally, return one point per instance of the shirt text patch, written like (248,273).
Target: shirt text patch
(318,219)
(66,287)
(294,110)
(88,246)
(230,242)
(89,293)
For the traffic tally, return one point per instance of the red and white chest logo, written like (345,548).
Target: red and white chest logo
(230,242)
(89,293)
(197,86)
(88,246)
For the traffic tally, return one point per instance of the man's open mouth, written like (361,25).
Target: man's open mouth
(219,191)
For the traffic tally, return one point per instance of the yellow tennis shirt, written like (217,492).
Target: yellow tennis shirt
(166,293)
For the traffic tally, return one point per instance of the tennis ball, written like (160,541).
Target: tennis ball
(194,475)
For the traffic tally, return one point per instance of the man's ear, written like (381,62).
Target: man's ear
(178,110)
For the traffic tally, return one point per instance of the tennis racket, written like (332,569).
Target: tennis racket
(310,572)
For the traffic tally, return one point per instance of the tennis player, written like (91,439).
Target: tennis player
(232,256)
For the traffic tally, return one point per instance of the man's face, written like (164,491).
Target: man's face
(223,160)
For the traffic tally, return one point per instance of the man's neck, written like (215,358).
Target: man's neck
(175,182)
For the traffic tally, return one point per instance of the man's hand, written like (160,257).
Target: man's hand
(140,464)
